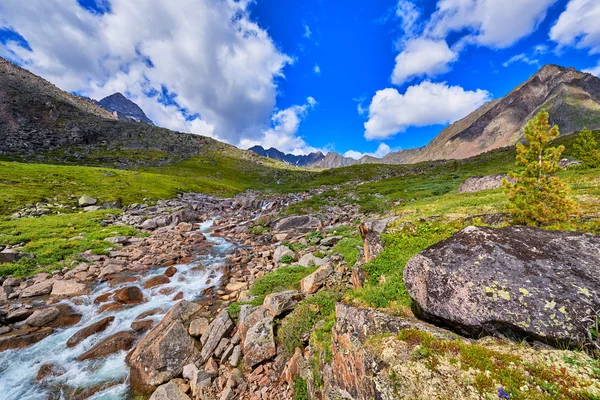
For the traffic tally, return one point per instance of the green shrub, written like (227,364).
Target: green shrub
(300,389)
(287,259)
(284,278)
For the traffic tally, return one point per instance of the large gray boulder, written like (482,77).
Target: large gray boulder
(481,183)
(519,281)
(297,224)
(216,331)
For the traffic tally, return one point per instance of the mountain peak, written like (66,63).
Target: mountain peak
(125,109)
(299,161)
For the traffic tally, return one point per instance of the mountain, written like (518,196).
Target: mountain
(300,161)
(125,109)
(571,97)
(41,123)
(334,160)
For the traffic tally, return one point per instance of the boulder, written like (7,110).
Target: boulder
(198,327)
(249,316)
(129,295)
(8,256)
(163,352)
(169,391)
(282,251)
(297,224)
(38,289)
(370,231)
(331,241)
(89,330)
(259,344)
(23,337)
(518,281)
(86,200)
(117,342)
(5,291)
(58,316)
(156,281)
(216,331)
(481,183)
(50,370)
(278,303)
(68,288)
(309,260)
(149,224)
(314,281)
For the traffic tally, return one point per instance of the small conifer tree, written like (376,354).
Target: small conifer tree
(537,197)
(585,149)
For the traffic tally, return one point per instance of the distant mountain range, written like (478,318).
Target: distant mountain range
(125,109)
(300,161)
(571,97)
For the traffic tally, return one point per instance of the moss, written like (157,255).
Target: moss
(284,278)
(300,389)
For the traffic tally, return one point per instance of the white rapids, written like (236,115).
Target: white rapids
(18,368)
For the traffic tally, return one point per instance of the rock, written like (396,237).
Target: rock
(357,277)
(259,344)
(331,241)
(514,281)
(163,352)
(278,303)
(370,231)
(19,314)
(565,163)
(91,208)
(47,370)
(141,325)
(117,239)
(249,317)
(236,356)
(11,282)
(38,289)
(117,342)
(89,330)
(59,316)
(294,367)
(8,256)
(170,271)
(86,200)
(5,291)
(68,288)
(149,224)
(169,391)
(282,251)
(156,281)
(480,183)
(314,281)
(23,338)
(198,327)
(129,295)
(309,260)
(211,367)
(296,224)
(216,331)
(354,371)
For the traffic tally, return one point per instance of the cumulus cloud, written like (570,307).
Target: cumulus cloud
(578,26)
(594,71)
(493,23)
(421,57)
(283,135)
(425,104)
(409,15)
(198,66)
(382,150)
(317,69)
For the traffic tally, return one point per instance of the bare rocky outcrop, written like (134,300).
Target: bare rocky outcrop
(480,183)
(522,281)
(370,231)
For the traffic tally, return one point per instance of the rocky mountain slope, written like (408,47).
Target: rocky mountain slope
(125,109)
(299,161)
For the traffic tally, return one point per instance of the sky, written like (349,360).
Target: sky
(356,77)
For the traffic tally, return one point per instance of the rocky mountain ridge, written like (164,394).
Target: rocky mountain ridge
(125,109)
(299,161)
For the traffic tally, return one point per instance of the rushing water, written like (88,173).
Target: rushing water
(18,368)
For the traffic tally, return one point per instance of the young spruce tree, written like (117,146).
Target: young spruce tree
(585,149)
(537,197)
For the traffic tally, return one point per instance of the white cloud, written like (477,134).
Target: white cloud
(421,105)
(283,133)
(409,16)
(493,23)
(578,26)
(209,54)
(307,32)
(594,71)
(520,58)
(382,150)
(317,69)
(422,57)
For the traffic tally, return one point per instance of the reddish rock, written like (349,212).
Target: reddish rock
(110,307)
(259,344)
(119,341)
(149,313)
(178,296)
(103,298)
(119,280)
(294,367)
(89,330)
(23,338)
(47,370)
(142,325)
(156,281)
(129,295)
(170,272)
(58,316)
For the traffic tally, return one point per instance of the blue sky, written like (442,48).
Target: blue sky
(301,75)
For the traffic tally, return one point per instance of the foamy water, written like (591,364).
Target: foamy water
(18,368)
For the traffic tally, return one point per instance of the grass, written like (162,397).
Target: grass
(300,390)
(56,240)
(284,278)
(298,325)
